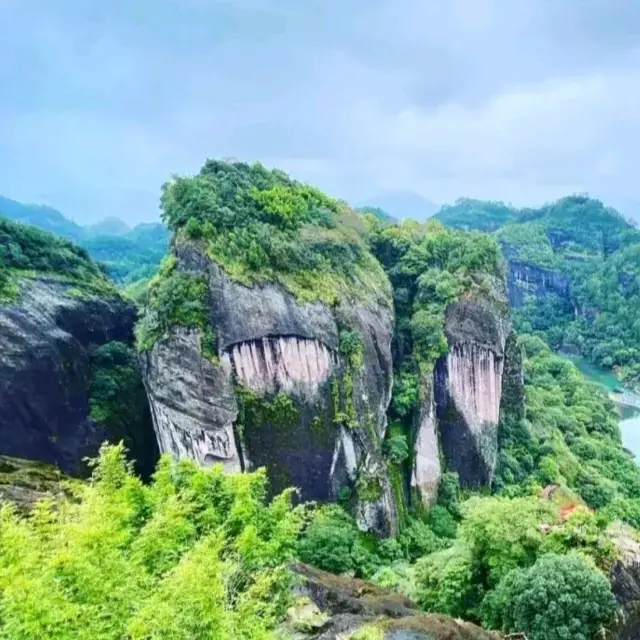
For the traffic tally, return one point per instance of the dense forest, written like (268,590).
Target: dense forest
(132,256)
(597,248)
(194,552)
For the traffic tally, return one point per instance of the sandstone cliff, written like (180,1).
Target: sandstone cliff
(531,280)
(48,337)
(300,388)
(460,407)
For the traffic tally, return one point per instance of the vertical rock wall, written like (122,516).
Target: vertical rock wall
(276,395)
(427,469)
(47,339)
(468,388)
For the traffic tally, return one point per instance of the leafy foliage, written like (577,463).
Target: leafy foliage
(262,226)
(27,251)
(196,553)
(175,298)
(570,436)
(558,597)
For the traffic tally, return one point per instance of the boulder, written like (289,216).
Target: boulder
(357,609)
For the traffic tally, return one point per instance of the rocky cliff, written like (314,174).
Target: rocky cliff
(460,407)
(468,389)
(531,280)
(300,388)
(49,335)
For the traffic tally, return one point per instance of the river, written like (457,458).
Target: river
(629,415)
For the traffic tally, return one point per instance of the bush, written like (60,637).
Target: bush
(328,542)
(559,597)
(418,540)
(446,583)
(441,522)
(504,534)
(196,553)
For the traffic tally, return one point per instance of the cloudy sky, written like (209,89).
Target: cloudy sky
(518,100)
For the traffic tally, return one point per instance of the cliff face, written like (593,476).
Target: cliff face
(528,280)
(460,407)
(48,338)
(468,388)
(281,391)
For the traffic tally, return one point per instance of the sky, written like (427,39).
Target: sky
(515,100)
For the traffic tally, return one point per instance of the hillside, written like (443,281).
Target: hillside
(595,249)
(331,392)
(45,218)
(132,255)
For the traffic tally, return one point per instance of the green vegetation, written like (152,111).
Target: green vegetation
(133,257)
(570,436)
(481,215)
(28,252)
(176,298)
(118,402)
(558,597)
(194,554)
(45,218)
(430,267)
(262,226)
(600,253)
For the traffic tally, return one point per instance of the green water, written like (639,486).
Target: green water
(629,416)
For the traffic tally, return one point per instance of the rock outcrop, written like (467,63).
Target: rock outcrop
(625,581)
(331,607)
(531,280)
(468,388)
(47,339)
(459,412)
(281,391)
(25,482)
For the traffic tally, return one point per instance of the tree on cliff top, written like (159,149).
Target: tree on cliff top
(262,226)
(26,250)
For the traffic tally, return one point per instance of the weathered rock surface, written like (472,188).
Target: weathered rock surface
(46,340)
(427,469)
(25,482)
(468,388)
(531,280)
(276,396)
(625,581)
(461,404)
(344,606)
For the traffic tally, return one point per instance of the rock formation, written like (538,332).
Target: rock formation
(48,337)
(331,607)
(460,409)
(280,391)
(531,280)
(625,581)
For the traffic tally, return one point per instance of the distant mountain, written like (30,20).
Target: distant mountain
(483,215)
(108,227)
(40,216)
(403,204)
(379,213)
(130,254)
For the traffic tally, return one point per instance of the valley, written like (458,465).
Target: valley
(307,421)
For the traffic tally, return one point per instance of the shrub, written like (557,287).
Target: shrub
(559,597)
(196,553)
